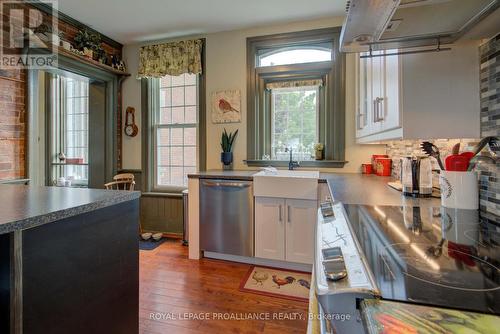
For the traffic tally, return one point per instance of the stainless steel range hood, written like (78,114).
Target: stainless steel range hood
(395,24)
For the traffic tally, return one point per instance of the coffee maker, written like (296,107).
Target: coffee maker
(416,176)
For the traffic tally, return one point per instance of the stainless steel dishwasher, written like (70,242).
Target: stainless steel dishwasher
(226,217)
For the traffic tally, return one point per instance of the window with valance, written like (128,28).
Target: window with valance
(173,110)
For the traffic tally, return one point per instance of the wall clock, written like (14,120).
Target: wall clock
(131,129)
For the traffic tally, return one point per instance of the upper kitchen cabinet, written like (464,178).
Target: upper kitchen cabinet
(418,95)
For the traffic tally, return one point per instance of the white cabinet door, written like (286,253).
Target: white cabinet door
(390,105)
(269,228)
(300,222)
(363,96)
(377,92)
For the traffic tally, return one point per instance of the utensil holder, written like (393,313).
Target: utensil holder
(459,190)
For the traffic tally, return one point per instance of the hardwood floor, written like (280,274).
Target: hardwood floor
(176,292)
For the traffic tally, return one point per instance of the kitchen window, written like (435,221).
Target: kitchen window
(175,127)
(173,118)
(295,98)
(295,55)
(294,122)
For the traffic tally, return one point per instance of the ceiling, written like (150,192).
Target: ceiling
(129,21)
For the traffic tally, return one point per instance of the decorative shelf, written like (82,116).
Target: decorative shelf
(92,62)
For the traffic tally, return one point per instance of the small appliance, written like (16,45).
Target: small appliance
(416,176)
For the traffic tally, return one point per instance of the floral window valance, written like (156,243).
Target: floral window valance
(294,83)
(173,58)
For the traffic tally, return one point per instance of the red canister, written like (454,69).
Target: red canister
(384,166)
(374,162)
(366,168)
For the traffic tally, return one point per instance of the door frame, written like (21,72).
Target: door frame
(111,82)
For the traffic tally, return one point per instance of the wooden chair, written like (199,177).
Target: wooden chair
(124,177)
(121,185)
(124,181)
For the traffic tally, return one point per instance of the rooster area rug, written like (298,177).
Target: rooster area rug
(279,283)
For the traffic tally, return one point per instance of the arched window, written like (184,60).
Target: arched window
(294,55)
(295,98)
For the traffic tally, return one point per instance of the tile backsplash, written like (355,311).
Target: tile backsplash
(402,148)
(488,172)
(489,191)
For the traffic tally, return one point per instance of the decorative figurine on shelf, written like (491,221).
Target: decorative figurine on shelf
(61,156)
(318,151)
(63,42)
(100,55)
(117,63)
(114,62)
(122,66)
(226,144)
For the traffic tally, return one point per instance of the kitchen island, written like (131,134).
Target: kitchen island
(69,260)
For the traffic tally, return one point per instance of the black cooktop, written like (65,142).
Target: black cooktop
(432,256)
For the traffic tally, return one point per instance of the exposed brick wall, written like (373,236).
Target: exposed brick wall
(13,114)
(12,124)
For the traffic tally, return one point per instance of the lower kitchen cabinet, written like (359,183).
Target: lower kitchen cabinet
(284,229)
(299,230)
(269,228)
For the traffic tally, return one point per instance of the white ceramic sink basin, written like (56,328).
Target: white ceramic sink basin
(286,184)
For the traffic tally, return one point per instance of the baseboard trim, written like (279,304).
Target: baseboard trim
(259,261)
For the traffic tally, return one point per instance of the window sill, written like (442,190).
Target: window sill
(309,163)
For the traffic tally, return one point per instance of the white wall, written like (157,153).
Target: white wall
(226,69)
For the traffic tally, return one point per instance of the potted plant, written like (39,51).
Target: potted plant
(226,144)
(88,43)
(318,151)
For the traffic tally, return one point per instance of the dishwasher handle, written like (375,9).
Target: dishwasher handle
(226,184)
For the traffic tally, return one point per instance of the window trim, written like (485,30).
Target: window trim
(333,73)
(148,105)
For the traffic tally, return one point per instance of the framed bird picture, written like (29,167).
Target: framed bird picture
(226,106)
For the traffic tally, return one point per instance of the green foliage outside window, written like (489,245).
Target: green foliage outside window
(295,122)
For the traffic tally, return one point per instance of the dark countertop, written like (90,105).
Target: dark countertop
(23,207)
(348,188)
(371,190)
